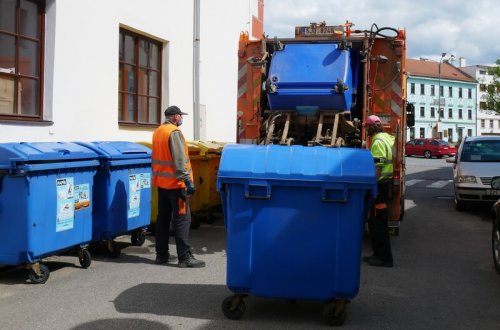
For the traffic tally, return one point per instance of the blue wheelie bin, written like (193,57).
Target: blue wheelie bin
(122,190)
(45,203)
(294,219)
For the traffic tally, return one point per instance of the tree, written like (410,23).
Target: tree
(494,88)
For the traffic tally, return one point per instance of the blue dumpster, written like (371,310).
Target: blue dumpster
(45,202)
(122,190)
(294,218)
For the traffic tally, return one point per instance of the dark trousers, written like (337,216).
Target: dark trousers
(170,202)
(378,225)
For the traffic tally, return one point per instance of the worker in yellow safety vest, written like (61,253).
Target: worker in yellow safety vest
(173,177)
(381,149)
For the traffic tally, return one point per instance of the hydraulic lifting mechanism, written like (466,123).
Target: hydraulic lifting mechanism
(317,89)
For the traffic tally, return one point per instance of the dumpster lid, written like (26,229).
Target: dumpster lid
(298,163)
(42,152)
(118,149)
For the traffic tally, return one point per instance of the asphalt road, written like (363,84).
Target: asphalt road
(443,279)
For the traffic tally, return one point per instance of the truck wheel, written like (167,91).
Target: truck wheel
(495,244)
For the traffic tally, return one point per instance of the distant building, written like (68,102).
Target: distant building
(451,115)
(488,122)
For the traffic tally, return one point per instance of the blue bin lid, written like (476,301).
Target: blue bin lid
(118,149)
(297,163)
(37,152)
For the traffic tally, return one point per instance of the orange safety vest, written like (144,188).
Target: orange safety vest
(162,161)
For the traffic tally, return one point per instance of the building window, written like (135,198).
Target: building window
(499,124)
(460,92)
(412,88)
(441,93)
(459,113)
(460,134)
(482,123)
(469,93)
(433,112)
(422,89)
(412,133)
(482,105)
(139,90)
(422,112)
(491,123)
(469,114)
(450,91)
(469,132)
(433,90)
(441,113)
(482,87)
(21,66)
(450,113)
(422,132)
(450,134)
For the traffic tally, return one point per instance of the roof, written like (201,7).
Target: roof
(430,69)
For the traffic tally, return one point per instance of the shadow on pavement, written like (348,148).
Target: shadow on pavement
(128,323)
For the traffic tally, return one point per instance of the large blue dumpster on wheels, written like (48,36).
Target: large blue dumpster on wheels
(45,203)
(294,218)
(122,190)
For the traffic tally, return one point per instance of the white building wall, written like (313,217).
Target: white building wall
(81,67)
(490,118)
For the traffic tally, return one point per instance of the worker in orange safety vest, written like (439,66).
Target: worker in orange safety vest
(381,149)
(172,176)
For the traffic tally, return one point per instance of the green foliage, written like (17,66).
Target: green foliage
(494,89)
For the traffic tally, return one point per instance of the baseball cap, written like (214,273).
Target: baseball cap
(174,110)
(372,120)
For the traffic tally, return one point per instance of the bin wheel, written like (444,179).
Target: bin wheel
(84,258)
(138,238)
(334,312)
(114,250)
(40,278)
(233,307)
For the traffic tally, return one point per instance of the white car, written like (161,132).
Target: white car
(476,162)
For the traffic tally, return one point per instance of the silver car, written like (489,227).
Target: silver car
(476,162)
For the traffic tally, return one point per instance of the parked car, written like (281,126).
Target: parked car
(429,148)
(476,162)
(495,236)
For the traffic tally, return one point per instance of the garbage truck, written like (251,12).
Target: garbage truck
(318,88)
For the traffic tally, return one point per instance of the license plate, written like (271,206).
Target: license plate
(493,192)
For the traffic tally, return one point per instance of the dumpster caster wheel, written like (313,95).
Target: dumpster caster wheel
(233,307)
(114,250)
(42,276)
(84,258)
(138,238)
(334,312)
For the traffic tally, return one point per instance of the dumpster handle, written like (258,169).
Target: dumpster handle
(343,199)
(257,190)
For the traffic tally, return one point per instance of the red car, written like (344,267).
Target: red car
(429,148)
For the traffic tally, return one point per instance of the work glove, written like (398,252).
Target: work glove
(190,189)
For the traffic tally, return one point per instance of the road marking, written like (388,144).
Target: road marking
(412,182)
(439,184)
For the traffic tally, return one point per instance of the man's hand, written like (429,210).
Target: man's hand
(190,189)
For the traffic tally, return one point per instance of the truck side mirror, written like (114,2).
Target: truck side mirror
(410,114)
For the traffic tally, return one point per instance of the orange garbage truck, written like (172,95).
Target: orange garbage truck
(319,87)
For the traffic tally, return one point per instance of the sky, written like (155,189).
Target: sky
(464,28)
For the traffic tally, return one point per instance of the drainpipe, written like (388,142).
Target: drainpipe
(196,70)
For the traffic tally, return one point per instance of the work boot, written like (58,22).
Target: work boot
(190,261)
(163,259)
(379,262)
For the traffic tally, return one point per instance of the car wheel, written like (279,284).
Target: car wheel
(427,154)
(495,244)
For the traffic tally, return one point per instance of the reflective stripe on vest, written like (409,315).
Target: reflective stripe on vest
(162,162)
